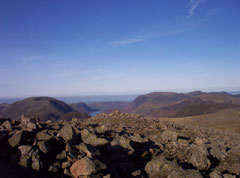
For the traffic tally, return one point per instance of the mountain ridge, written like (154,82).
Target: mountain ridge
(171,104)
(46,108)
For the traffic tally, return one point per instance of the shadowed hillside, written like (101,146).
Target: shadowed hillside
(109,105)
(44,108)
(3,107)
(84,108)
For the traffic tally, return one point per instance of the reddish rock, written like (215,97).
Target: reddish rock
(83,167)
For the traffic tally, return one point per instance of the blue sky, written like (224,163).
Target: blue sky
(92,47)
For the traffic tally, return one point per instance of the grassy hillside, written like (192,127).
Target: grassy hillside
(228,119)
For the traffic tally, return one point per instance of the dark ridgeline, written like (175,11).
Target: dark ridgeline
(45,108)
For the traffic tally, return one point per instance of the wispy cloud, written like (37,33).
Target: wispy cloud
(128,41)
(146,37)
(31,58)
(210,13)
(193,6)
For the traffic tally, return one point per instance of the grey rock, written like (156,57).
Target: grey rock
(67,132)
(198,157)
(7,125)
(66,164)
(42,146)
(168,136)
(36,161)
(43,135)
(160,167)
(92,139)
(15,139)
(28,122)
(62,155)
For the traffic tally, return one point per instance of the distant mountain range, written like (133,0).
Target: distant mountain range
(44,108)
(170,104)
(156,104)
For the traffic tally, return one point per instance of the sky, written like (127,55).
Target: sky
(99,47)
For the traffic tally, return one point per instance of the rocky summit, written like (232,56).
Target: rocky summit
(116,145)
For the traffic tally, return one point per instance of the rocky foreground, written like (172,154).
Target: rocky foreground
(116,145)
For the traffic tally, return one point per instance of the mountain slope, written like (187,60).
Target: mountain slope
(3,107)
(228,119)
(165,104)
(43,107)
(84,108)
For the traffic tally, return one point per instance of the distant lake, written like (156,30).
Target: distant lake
(93,114)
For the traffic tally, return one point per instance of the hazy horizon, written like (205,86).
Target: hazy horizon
(104,98)
(72,48)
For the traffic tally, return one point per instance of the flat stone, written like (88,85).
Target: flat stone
(92,139)
(43,136)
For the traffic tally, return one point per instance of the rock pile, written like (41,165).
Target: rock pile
(116,145)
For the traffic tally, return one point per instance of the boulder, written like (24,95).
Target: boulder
(26,152)
(66,164)
(198,157)
(123,142)
(228,176)
(231,162)
(89,150)
(189,173)
(28,122)
(160,167)
(15,139)
(62,155)
(35,161)
(67,132)
(7,125)
(83,167)
(101,129)
(42,146)
(92,139)
(168,136)
(43,135)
